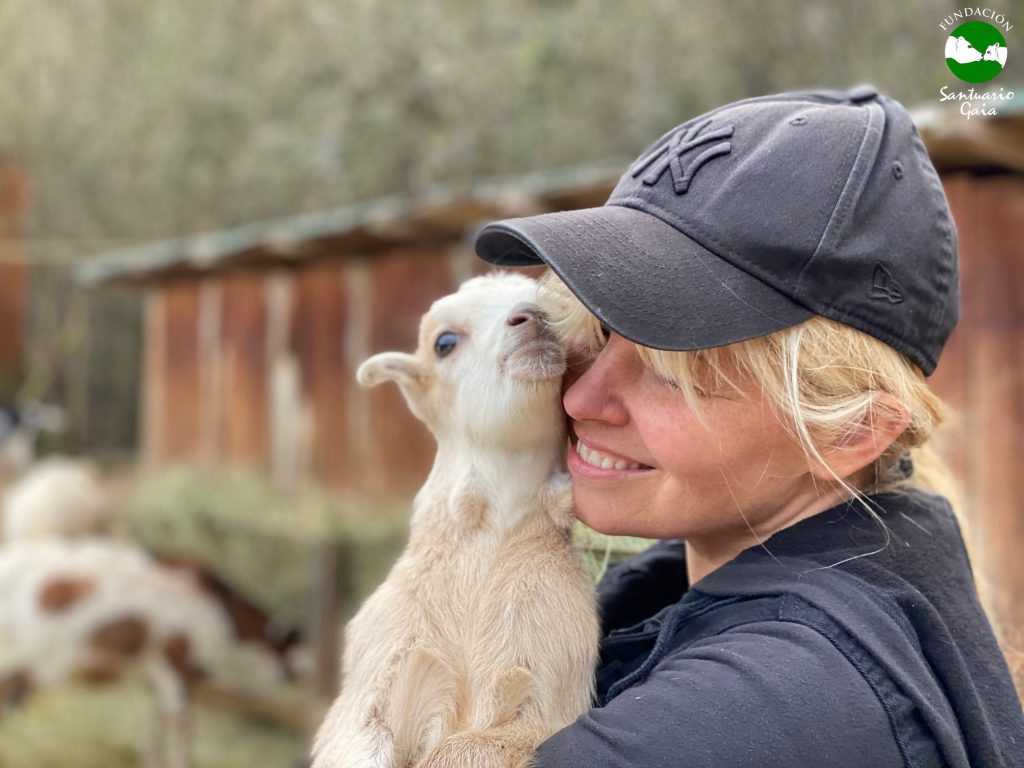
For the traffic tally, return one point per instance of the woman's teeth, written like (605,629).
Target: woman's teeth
(597,459)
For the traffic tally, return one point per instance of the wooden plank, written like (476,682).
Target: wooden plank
(210,361)
(405,282)
(357,278)
(13,273)
(243,392)
(13,279)
(290,415)
(176,413)
(319,315)
(152,383)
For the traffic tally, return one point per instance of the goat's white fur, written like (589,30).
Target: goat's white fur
(483,639)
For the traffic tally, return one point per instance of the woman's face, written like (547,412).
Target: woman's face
(676,478)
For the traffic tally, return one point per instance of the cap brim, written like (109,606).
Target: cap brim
(643,278)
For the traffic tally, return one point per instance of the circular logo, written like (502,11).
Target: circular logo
(976,52)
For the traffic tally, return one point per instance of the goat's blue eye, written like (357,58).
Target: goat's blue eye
(445,343)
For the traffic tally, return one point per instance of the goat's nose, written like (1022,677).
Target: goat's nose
(523,313)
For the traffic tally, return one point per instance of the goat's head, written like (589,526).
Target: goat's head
(486,369)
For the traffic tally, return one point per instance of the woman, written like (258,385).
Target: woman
(752,316)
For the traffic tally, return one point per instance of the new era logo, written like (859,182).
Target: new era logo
(884,286)
(669,155)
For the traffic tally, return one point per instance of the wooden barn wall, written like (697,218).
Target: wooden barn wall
(320,308)
(257,368)
(171,383)
(243,381)
(403,286)
(981,375)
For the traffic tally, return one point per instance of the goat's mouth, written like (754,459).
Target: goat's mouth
(540,360)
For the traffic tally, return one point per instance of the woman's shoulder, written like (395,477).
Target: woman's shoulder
(766,693)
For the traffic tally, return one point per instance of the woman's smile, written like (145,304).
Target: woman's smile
(643,465)
(587,462)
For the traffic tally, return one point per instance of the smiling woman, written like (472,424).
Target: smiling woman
(728,445)
(750,322)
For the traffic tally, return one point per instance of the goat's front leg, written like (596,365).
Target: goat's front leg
(413,690)
(371,746)
(504,746)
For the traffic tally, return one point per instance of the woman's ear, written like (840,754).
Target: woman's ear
(884,422)
(402,368)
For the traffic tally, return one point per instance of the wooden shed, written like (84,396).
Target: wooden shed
(253,334)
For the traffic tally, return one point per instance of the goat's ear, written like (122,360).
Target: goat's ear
(399,367)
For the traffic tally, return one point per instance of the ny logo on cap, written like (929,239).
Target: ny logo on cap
(671,153)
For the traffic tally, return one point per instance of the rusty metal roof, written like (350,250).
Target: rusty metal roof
(441,215)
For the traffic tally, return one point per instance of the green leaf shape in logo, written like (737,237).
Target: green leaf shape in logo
(975,52)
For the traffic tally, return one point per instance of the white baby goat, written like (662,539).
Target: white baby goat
(483,639)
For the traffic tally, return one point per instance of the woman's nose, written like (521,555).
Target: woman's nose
(592,392)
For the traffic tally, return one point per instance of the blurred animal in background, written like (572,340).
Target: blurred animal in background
(483,639)
(250,623)
(90,609)
(20,429)
(57,497)
(76,605)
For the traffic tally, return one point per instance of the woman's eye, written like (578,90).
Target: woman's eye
(445,343)
(667,382)
(606,331)
(673,384)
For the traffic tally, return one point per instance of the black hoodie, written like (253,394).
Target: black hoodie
(831,645)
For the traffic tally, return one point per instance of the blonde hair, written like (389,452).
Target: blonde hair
(825,380)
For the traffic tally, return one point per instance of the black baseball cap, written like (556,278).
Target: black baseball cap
(757,216)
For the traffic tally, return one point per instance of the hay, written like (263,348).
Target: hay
(110,726)
(600,551)
(261,539)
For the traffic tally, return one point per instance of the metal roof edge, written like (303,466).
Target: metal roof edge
(207,250)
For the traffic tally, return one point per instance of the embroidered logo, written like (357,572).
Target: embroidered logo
(669,155)
(884,286)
